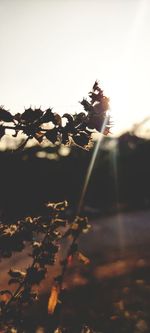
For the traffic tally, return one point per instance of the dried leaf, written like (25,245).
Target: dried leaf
(53,299)
(57,119)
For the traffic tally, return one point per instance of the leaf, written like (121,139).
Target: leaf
(39,136)
(58,330)
(87,106)
(61,206)
(27,115)
(58,206)
(86,329)
(68,117)
(53,299)
(69,128)
(81,139)
(80,118)
(3,292)
(38,113)
(10,230)
(30,129)
(48,116)
(59,223)
(2,131)
(28,219)
(57,119)
(35,275)
(16,274)
(5,115)
(96,94)
(83,258)
(52,134)
(31,115)
(13,281)
(65,136)
(96,121)
(95,86)
(82,223)
(17,117)
(27,296)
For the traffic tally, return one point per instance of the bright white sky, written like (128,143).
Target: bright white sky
(53,50)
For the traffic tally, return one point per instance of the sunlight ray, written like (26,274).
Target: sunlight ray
(114,165)
(91,165)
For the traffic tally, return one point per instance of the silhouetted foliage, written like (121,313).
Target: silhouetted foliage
(46,233)
(39,124)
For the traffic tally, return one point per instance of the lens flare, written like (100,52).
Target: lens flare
(91,165)
(114,164)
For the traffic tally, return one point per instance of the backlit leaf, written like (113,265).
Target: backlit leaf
(83,258)
(53,299)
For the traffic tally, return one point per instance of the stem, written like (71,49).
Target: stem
(65,260)
(22,127)
(24,143)
(32,265)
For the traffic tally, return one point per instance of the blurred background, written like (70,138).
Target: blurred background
(53,51)
(51,54)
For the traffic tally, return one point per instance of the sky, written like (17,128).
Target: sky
(52,51)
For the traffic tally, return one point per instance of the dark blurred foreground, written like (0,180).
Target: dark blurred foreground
(112,293)
(120,178)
